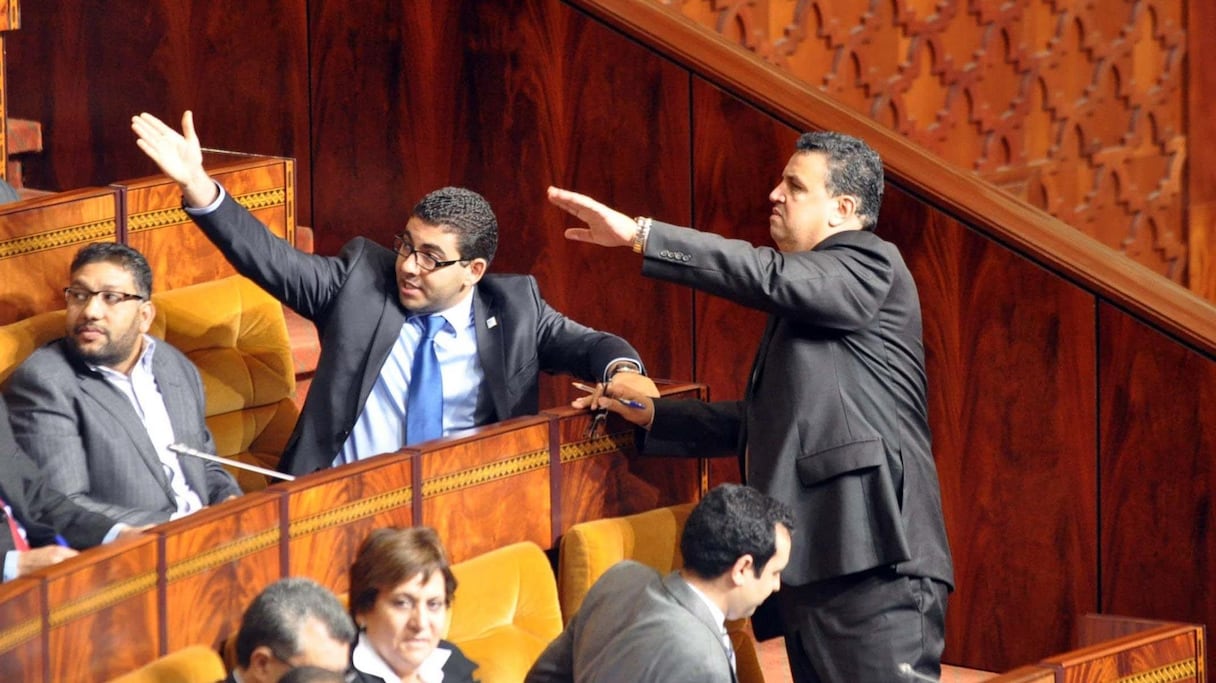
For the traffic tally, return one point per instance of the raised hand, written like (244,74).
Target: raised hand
(605,226)
(179,155)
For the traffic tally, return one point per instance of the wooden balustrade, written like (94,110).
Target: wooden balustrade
(117,607)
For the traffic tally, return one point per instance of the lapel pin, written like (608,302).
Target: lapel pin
(491,322)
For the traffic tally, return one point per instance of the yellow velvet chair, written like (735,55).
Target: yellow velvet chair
(506,611)
(652,538)
(236,335)
(194,664)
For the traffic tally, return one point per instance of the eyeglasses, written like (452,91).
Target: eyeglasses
(79,296)
(424,260)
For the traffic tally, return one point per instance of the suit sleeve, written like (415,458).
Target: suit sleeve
(45,425)
(35,503)
(841,284)
(307,283)
(556,663)
(697,429)
(569,347)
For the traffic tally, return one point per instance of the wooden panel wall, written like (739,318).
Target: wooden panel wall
(510,97)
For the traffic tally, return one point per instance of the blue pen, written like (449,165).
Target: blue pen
(60,540)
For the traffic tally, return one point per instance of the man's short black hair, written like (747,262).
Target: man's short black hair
(120,255)
(275,617)
(854,168)
(731,521)
(465,213)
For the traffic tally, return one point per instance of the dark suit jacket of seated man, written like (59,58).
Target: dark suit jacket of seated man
(46,514)
(364,299)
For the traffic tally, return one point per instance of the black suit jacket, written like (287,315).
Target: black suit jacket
(835,419)
(40,509)
(352,299)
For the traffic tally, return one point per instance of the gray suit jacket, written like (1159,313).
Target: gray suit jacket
(835,420)
(42,510)
(352,299)
(639,626)
(90,443)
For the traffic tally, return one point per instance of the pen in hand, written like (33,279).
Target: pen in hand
(623,401)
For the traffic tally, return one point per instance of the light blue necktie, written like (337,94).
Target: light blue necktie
(424,404)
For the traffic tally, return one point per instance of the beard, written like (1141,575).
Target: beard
(111,351)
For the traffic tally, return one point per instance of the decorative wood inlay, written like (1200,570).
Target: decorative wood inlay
(99,600)
(1075,107)
(162,218)
(223,554)
(19,633)
(73,234)
(502,469)
(367,507)
(1178,671)
(589,448)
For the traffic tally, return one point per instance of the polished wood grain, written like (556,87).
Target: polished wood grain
(602,475)
(1171,652)
(220,557)
(489,489)
(506,99)
(982,206)
(1157,478)
(84,70)
(1201,136)
(330,512)
(178,252)
(39,237)
(22,631)
(103,612)
(1011,408)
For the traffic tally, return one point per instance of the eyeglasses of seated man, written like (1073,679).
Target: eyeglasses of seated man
(401,592)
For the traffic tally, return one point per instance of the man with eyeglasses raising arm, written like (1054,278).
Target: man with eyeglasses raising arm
(416,342)
(98,408)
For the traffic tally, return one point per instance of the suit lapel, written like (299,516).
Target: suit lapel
(176,393)
(119,407)
(488,326)
(683,594)
(388,328)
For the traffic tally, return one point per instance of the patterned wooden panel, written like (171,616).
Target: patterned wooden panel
(507,98)
(489,489)
(103,612)
(1168,654)
(22,631)
(1013,415)
(176,249)
(330,512)
(220,557)
(10,15)
(1076,107)
(240,65)
(603,476)
(38,238)
(1157,476)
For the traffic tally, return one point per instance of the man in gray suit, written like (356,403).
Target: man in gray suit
(637,625)
(834,421)
(98,408)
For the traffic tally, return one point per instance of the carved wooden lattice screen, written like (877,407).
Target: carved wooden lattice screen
(1076,106)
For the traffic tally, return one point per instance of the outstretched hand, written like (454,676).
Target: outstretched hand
(179,155)
(605,226)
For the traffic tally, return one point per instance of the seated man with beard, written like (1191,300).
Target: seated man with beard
(98,408)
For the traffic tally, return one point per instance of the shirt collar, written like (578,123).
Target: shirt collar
(144,360)
(366,659)
(718,614)
(459,316)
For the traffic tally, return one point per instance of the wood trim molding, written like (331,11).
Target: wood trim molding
(1026,230)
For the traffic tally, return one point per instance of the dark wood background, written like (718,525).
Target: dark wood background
(1070,434)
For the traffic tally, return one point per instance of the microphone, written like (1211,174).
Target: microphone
(183,449)
(907,670)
